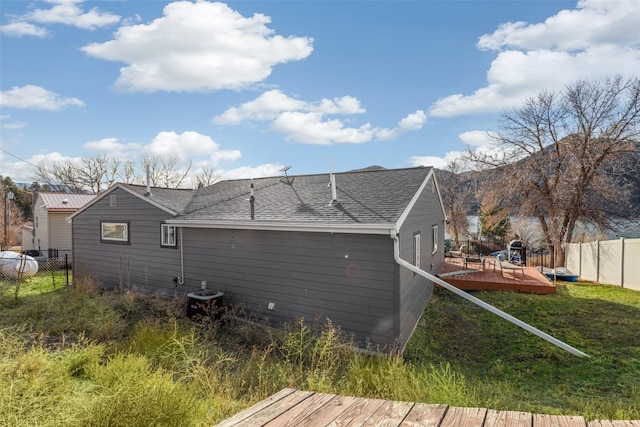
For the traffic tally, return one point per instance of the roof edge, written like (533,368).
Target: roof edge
(286,226)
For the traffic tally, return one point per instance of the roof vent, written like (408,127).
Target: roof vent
(332,184)
(65,201)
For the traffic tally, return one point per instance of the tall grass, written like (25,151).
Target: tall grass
(79,356)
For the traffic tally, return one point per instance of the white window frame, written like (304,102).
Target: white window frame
(168,235)
(416,249)
(434,246)
(114,232)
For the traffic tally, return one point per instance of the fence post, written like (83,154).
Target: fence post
(66,266)
(622,242)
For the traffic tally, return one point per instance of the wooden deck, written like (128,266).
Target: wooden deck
(307,409)
(474,278)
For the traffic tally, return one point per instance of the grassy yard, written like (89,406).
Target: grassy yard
(75,356)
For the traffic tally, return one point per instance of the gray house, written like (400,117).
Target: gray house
(285,247)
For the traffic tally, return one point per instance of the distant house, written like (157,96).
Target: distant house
(51,231)
(310,246)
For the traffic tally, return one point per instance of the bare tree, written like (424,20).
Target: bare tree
(207,176)
(560,155)
(457,195)
(163,171)
(96,174)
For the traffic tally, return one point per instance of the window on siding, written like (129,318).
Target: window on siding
(168,236)
(434,239)
(114,232)
(416,250)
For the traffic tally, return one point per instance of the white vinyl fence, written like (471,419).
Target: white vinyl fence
(613,262)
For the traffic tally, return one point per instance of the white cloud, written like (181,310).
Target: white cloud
(252,172)
(111,146)
(593,22)
(312,128)
(307,122)
(67,12)
(5,123)
(21,28)
(188,145)
(436,162)
(477,138)
(597,39)
(274,102)
(197,47)
(412,122)
(36,98)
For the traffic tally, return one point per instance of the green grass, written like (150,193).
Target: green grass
(601,321)
(77,356)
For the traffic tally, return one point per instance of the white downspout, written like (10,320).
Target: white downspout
(510,318)
(181,280)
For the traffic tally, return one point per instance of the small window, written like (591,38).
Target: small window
(168,235)
(114,232)
(434,245)
(416,250)
(113,200)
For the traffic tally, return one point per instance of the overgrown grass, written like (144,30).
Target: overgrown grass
(76,356)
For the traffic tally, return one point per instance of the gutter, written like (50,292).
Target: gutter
(463,294)
(363,228)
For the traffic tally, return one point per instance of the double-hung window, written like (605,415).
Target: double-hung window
(416,250)
(168,236)
(434,240)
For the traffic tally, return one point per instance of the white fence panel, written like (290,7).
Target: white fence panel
(614,262)
(610,262)
(588,261)
(573,257)
(631,269)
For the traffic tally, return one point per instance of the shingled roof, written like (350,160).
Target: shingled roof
(373,197)
(175,199)
(377,196)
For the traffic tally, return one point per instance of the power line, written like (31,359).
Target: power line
(18,157)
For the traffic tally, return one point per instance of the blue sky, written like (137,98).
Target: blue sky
(248,87)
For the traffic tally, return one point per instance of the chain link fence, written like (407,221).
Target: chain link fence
(44,272)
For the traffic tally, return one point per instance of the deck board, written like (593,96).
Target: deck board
(476,278)
(425,415)
(290,407)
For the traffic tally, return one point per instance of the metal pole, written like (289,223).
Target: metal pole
(4,199)
(483,304)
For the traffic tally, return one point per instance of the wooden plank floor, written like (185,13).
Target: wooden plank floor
(293,408)
(475,278)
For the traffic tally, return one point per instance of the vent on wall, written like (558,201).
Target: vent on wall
(113,200)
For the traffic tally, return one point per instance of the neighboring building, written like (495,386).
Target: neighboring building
(51,232)
(310,246)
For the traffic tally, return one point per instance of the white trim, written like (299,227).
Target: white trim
(286,226)
(128,190)
(413,201)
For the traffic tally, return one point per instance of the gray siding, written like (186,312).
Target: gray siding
(142,264)
(414,290)
(348,278)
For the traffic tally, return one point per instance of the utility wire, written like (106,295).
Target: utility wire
(19,158)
